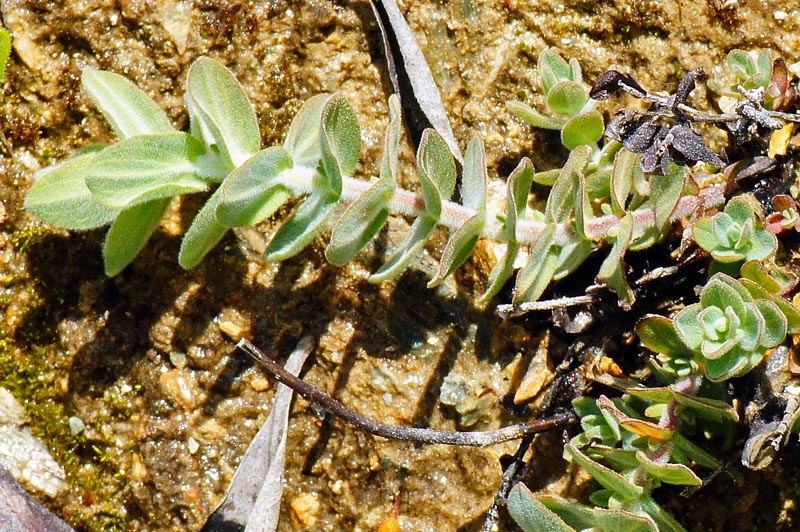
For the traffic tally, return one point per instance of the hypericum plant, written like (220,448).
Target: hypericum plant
(752,74)
(631,445)
(569,109)
(729,330)
(735,235)
(598,196)
(634,443)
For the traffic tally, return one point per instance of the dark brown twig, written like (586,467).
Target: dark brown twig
(414,434)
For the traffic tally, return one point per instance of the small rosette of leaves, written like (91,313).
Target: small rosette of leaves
(728,330)
(735,235)
(568,106)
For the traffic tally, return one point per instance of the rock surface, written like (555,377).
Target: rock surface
(161,442)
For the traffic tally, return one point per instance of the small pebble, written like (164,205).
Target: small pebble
(305,508)
(181,388)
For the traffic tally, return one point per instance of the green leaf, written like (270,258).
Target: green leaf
(474,178)
(531,515)
(366,216)
(665,191)
(537,274)
(657,334)
(459,248)
(420,231)
(553,69)
(677,474)
(302,140)
(437,174)
(789,311)
(585,128)
(775,324)
(608,478)
(437,171)
(146,167)
(741,64)
(625,164)
(128,110)
(622,521)
(130,232)
(5,50)
(567,98)
(220,111)
(533,117)
(252,192)
(301,228)
(59,196)
(578,516)
(341,141)
(518,188)
(361,222)
(695,453)
(562,199)
(204,233)
(708,408)
(664,521)
(473,191)
(612,271)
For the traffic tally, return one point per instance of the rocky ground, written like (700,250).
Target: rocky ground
(141,361)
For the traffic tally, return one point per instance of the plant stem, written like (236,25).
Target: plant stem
(418,435)
(301,180)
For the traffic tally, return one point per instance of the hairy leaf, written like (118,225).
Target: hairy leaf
(518,188)
(474,188)
(552,70)
(204,233)
(341,141)
(361,222)
(537,274)
(302,140)
(531,515)
(566,98)
(561,202)
(252,192)
(59,196)
(130,232)
(585,128)
(437,174)
(366,216)
(298,231)
(622,521)
(534,117)
(658,335)
(221,112)
(612,271)
(146,167)
(678,474)
(606,477)
(128,110)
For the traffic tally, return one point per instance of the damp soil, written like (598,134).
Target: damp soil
(168,404)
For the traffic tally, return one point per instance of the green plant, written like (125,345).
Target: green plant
(735,235)
(568,106)
(619,196)
(129,184)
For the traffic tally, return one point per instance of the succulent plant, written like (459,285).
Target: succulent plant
(735,235)
(728,330)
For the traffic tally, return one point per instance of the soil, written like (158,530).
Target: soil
(169,405)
